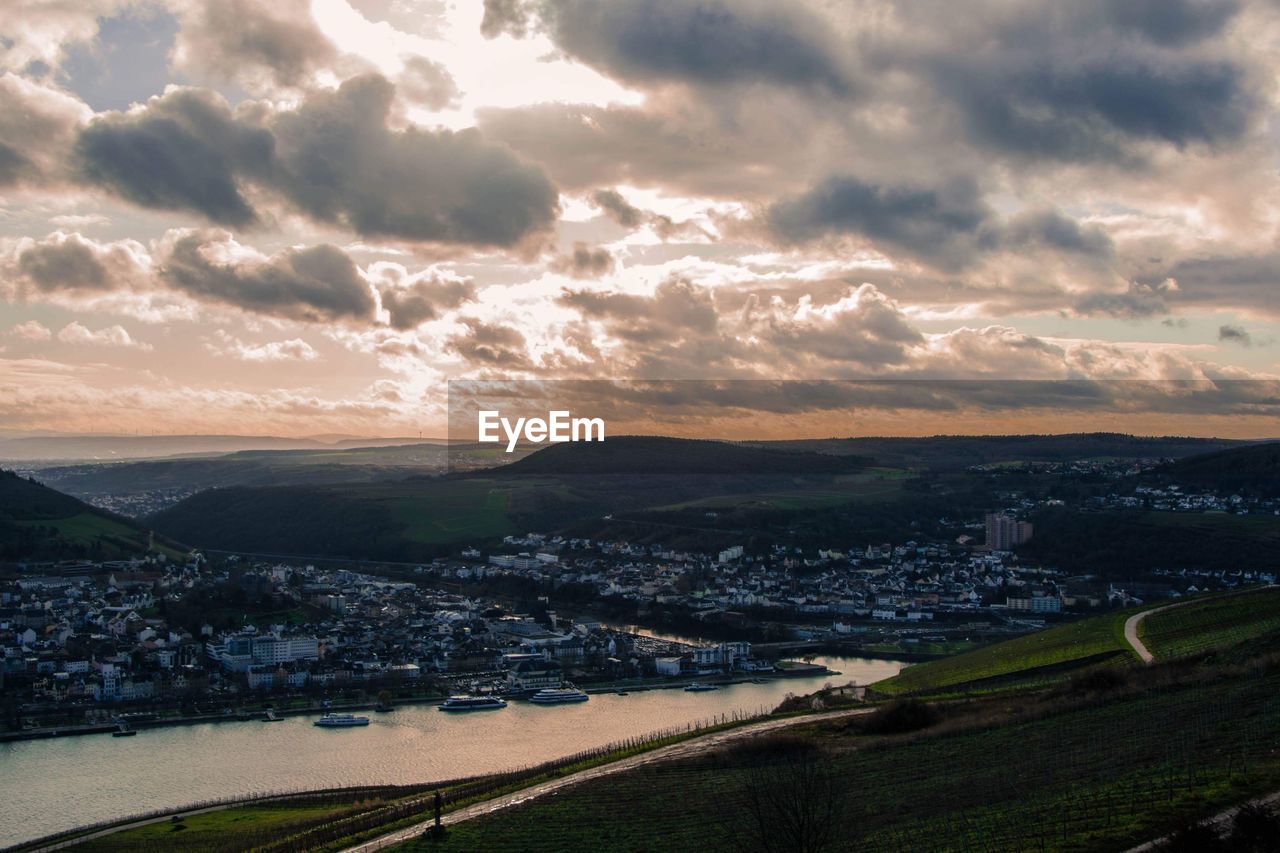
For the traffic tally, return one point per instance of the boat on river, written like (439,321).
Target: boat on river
(558,696)
(473,703)
(700,687)
(341,721)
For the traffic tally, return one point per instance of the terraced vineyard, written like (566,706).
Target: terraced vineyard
(1217,622)
(1044,657)
(1099,775)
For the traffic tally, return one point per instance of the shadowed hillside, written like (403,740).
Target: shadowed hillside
(39,523)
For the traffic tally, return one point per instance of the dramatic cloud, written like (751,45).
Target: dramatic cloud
(253,44)
(947,225)
(1138,301)
(1235,335)
(37,128)
(314,284)
(584,262)
(184,151)
(339,162)
(410,301)
(359,195)
(708,41)
(427,83)
(334,159)
(618,208)
(490,345)
(69,262)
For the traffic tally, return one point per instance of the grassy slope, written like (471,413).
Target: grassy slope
(1216,622)
(213,831)
(1088,641)
(36,521)
(1099,776)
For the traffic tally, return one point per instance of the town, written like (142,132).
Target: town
(81,642)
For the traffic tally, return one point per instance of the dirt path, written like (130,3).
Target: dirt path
(684,749)
(1131,632)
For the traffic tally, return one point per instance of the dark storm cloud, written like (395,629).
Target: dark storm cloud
(13,165)
(339,162)
(705,41)
(334,159)
(315,284)
(185,151)
(1051,229)
(935,223)
(1235,335)
(1091,109)
(584,262)
(1248,281)
(410,305)
(1167,22)
(1081,81)
(948,226)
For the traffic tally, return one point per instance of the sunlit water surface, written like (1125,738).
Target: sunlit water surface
(51,785)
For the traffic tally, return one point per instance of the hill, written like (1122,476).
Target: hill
(1253,470)
(1114,543)
(185,476)
(39,523)
(949,452)
(108,447)
(1198,625)
(1040,658)
(635,454)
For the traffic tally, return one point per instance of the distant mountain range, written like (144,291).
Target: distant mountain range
(637,454)
(943,452)
(377,503)
(53,448)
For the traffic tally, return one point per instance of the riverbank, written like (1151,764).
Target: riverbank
(45,787)
(259,714)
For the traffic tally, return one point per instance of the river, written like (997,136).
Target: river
(52,785)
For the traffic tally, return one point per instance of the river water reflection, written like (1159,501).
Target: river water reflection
(51,785)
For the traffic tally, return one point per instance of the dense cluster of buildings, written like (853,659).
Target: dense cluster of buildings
(129,631)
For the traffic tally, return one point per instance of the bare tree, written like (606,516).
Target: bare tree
(791,801)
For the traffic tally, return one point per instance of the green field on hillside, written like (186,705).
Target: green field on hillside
(1097,775)
(1217,622)
(1045,655)
(216,831)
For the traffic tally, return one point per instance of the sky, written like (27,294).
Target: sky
(307,217)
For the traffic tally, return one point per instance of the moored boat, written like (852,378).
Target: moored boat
(472,703)
(699,687)
(558,696)
(337,721)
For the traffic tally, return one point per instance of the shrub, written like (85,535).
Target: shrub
(901,716)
